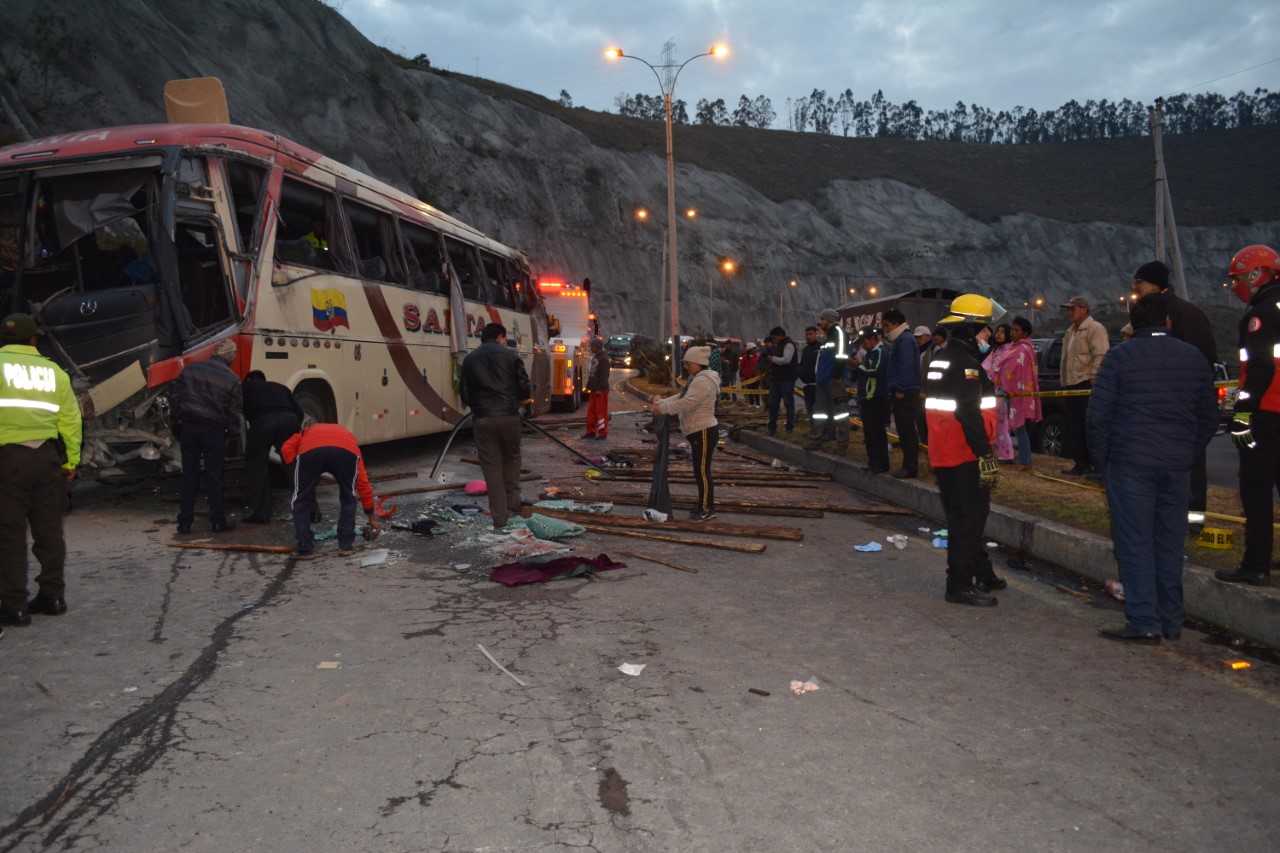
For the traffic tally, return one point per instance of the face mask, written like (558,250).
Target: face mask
(984,347)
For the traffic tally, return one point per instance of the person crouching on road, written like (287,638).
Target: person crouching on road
(873,399)
(320,449)
(598,393)
(1152,413)
(495,385)
(273,415)
(960,405)
(695,405)
(39,450)
(206,402)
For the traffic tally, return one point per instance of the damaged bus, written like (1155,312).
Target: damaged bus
(138,249)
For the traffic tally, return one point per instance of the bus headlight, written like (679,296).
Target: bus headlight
(627,361)
(559,348)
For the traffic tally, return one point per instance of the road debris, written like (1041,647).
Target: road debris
(529,571)
(374,558)
(799,688)
(506,671)
(898,540)
(1238,665)
(869,547)
(758,691)
(329,664)
(631,668)
(676,566)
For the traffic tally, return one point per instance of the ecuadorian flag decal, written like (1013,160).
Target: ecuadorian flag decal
(328,309)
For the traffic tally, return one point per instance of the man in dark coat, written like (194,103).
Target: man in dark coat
(904,389)
(597,393)
(1150,416)
(273,417)
(206,401)
(495,385)
(1187,323)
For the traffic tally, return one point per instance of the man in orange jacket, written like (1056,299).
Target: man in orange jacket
(327,449)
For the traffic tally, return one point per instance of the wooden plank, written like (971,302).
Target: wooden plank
(231,546)
(696,541)
(723,528)
(766,461)
(728,505)
(635,556)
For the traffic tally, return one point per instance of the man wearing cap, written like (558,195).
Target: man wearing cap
(873,398)
(695,405)
(784,366)
(830,412)
(495,385)
(1186,323)
(39,451)
(808,371)
(207,401)
(904,389)
(1083,346)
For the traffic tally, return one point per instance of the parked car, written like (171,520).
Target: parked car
(1049,436)
(623,349)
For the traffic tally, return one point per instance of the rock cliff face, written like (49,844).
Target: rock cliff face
(534,181)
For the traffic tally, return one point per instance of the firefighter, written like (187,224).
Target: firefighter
(960,406)
(39,450)
(1254,276)
(831,409)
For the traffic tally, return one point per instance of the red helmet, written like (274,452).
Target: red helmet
(1251,268)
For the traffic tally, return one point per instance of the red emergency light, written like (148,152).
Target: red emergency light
(550,285)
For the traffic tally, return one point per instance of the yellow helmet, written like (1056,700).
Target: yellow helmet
(972,308)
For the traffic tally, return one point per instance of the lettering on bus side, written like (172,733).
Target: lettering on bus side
(412,319)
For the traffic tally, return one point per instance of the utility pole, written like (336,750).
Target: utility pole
(1164,207)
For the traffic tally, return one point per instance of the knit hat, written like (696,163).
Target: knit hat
(19,327)
(698,355)
(1153,272)
(922,332)
(830,315)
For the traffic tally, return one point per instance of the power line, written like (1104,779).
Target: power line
(1234,73)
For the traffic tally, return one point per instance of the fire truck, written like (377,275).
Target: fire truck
(570,328)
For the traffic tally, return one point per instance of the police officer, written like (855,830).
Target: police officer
(1254,276)
(960,406)
(830,409)
(39,451)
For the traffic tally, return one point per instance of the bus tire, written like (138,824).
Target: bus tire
(316,399)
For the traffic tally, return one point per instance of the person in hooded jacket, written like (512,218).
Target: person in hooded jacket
(695,406)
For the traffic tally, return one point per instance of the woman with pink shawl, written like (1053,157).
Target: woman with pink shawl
(1013,370)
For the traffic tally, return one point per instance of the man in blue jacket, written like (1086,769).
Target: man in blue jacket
(1150,416)
(904,389)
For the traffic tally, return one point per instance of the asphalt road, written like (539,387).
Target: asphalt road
(206,702)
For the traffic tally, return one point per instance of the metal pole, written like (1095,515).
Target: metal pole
(671,238)
(662,294)
(1159,178)
(1179,277)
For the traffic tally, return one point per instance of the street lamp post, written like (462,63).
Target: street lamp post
(670,72)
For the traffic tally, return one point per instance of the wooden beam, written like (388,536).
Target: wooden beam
(697,541)
(723,528)
(232,546)
(729,505)
(635,556)
(443,487)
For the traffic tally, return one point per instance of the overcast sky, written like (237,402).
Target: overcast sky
(998,53)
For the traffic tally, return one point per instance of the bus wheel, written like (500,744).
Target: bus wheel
(316,399)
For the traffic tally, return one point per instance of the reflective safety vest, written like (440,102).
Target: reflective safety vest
(959,407)
(1260,353)
(834,354)
(36,401)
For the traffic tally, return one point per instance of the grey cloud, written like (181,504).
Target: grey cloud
(995,53)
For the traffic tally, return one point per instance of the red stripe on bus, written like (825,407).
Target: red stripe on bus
(403,360)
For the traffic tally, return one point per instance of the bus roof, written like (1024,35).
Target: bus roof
(295,158)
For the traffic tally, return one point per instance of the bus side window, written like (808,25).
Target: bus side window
(247,181)
(496,292)
(308,232)
(422,246)
(463,258)
(510,284)
(374,238)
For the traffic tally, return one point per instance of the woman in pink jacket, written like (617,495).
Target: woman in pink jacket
(1013,370)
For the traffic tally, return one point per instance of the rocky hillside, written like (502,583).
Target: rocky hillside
(1019,222)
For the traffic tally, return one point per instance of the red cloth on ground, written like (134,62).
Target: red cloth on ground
(598,414)
(515,574)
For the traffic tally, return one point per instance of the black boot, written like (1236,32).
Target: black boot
(47,605)
(990,584)
(1128,634)
(971,596)
(14,615)
(1243,575)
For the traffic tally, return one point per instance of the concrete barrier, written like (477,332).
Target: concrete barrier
(1252,612)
